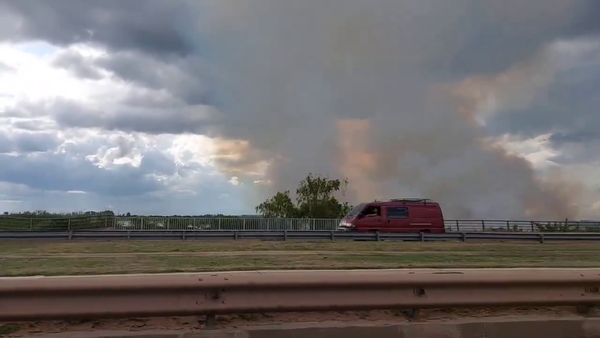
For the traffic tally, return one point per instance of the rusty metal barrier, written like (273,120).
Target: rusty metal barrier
(247,292)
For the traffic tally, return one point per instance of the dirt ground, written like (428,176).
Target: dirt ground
(242,320)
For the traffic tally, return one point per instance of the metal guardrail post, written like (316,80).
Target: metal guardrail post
(31,224)
(457,225)
(483,225)
(464,237)
(541,234)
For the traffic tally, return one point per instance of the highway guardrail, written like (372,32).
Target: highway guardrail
(91,297)
(299,235)
(143,223)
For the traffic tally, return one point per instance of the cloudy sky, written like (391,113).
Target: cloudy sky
(204,106)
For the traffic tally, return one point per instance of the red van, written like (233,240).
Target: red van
(397,215)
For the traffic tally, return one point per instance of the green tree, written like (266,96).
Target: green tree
(315,198)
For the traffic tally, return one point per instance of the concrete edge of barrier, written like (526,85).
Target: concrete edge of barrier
(499,327)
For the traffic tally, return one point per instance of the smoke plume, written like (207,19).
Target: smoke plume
(370,90)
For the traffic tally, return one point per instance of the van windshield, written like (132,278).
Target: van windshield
(356,210)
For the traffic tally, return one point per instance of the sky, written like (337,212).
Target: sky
(202,107)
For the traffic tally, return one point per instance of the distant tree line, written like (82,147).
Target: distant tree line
(109,213)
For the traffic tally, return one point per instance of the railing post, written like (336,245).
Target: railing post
(105,221)
(483,225)
(31,224)
(457,226)
(244,224)
(219,226)
(508,226)
(532,227)
(69,225)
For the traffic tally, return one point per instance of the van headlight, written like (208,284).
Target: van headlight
(345,224)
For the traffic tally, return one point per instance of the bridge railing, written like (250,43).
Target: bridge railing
(8,223)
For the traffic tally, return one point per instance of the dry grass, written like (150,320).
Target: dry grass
(76,258)
(75,247)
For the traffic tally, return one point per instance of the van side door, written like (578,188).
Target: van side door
(371,219)
(398,219)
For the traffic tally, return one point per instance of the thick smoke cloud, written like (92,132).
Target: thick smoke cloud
(369,90)
(377,90)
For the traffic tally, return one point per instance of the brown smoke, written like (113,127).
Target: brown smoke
(379,91)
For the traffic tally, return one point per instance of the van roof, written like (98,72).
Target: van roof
(405,201)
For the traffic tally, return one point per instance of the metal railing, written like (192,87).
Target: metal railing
(8,223)
(211,294)
(220,235)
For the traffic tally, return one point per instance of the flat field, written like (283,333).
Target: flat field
(80,258)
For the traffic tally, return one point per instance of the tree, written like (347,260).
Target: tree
(315,198)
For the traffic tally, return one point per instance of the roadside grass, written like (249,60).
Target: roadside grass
(73,265)
(87,247)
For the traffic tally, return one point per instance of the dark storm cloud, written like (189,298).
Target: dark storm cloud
(23,142)
(181,77)
(568,106)
(139,112)
(152,26)
(574,137)
(77,64)
(62,173)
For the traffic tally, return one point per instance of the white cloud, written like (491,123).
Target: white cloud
(173,172)
(536,150)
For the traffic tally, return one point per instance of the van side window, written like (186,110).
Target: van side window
(373,210)
(397,212)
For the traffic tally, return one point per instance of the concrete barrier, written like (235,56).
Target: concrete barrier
(505,327)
